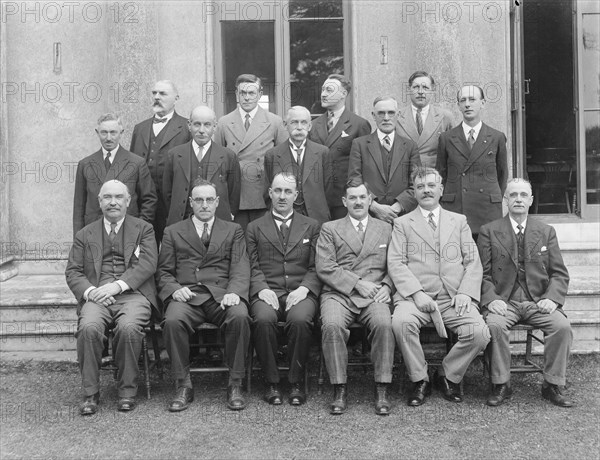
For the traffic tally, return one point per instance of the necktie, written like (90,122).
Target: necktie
(159,120)
(283,228)
(419,122)
(386,143)
(329,121)
(205,238)
(431,221)
(298,151)
(361,231)
(107,162)
(520,234)
(247,122)
(113,234)
(471,139)
(200,153)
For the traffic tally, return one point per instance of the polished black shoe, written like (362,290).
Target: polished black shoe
(89,406)
(126,404)
(450,390)
(235,398)
(500,393)
(553,394)
(382,403)
(420,391)
(297,395)
(339,403)
(183,397)
(273,395)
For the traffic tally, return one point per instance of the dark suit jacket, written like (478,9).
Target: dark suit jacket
(126,167)
(316,177)
(339,140)
(223,267)
(546,274)
(85,259)
(474,181)
(366,165)
(178,179)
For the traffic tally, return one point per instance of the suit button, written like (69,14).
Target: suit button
(464,189)
(480,190)
(197,269)
(286,276)
(463,174)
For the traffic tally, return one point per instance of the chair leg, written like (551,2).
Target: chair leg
(156,348)
(528,346)
(321,379)
(146,366)
(249,366)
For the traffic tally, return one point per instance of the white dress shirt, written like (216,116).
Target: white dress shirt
(466,128)
(158,127)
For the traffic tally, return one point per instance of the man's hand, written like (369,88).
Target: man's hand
(461,303)
(423,302)
(383,295)
(268,296)
(183,295)
(547,306)
(498,307)
(383,212)
(104,295)
(295,296)
(229,300)
(367,289)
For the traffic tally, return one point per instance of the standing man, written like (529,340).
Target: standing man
(153,138)
(472,161)
(111,274)
(307,161)
(421,121)
(204,275)
(201,158)
(351,262)
(336,129)
(284,286)
(435,267)
(385,160)
(524,280)
(250,132)
(111,162)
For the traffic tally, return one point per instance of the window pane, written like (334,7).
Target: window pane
(592,156)
(315,9)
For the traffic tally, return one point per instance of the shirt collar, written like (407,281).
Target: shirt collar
(112,153)
(200,225)
(436,213)
(355,222)
(381,135)
(302,146)
(337,113)
(288,218)
(252,113)
(467,128)
(203,148)
(168,116)
(117,228)
(514,225)
(424,112)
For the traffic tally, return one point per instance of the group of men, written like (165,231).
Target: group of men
(260,220)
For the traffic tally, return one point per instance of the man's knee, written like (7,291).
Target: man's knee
(477,333)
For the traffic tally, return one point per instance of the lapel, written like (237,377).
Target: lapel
(308,163)
(184,161)
(145,128)
(446,224)
(532,237)
(297,230)
(189,234)
(130,237)
(218,235)
(95,241)
(372,235)
(348,233)
(268,228)
(173,128)
(340,126)
(407,123)
(374,148)
(98,169)
(119,166)
(483,140)
(507,239)
(398,152)
(458,139)
(320,126)
(430,126)
(217,158)
(259,124)
(422,228)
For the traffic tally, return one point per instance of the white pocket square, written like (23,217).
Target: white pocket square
(305,240)
(137,252)
(544,248)
(383,245)
(345,134)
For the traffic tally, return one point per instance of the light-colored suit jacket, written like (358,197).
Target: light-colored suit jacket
(265,132)
(342,260)
(416,262)
(438,121)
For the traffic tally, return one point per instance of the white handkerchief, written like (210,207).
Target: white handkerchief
(345,134)
(383,245)
(305,240)
(544,248)
(137,252)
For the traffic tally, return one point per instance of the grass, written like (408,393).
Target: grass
(40,419)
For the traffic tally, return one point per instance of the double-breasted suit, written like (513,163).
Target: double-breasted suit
(127,168)
(474,180)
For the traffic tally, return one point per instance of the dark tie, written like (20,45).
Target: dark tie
(361,231)
(431,221)
(113,234)
(283,228)
(419,122)
(107,162)
(520,235)
(159,120)
(205,238)
(247,122)
(471,139)
(329,121)
(298,151)
(386,143)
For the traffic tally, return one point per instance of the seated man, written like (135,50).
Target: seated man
(435,267)
(524,280)
(284,286)
(351,262)
(111,273)
(203,276)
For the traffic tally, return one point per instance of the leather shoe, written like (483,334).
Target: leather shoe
(235,398)
(553,394)
(183,397)
(450,390)
(126,404)
(89,406)
(273,395)
(297,395)
(500,393)
(421,390)
(339,403)
(382,403)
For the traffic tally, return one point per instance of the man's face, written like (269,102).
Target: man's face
(109,133)
(428,191)
(163,99)
(333,94)
(470,104)
(202,125)
(357,201)
(283,193)
(298,125)
(114,200)
(247,95)
(421,92)
(385,114)
(518,198)
(204,202)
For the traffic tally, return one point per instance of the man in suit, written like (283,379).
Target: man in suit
(421,121)
(351,263)
(435,267)
(336,129)
(524,280)
(472,161)
(204,275)
(111,162)
(153,138)
(284,286)
(307,161)
(201,158)
(250,132)
(385,160)
(111,273)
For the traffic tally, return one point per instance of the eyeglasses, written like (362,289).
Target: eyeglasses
(201,201)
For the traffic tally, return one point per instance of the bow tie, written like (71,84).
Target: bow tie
(281,219)
(160,120)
